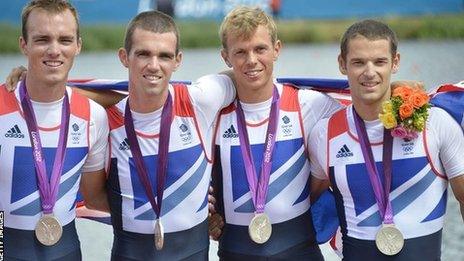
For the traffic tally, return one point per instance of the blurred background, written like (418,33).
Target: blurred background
(431,34)
(299,21)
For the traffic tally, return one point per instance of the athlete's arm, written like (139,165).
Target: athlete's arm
(451,149)
(215,225)
(14,77)
(457,184)
(317,187)
(317,151)
(92,188)
(105,98)
(407,83)
(93,179)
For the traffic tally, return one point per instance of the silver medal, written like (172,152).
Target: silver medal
(389,240)
(159,235)
(260,228)
(48,230)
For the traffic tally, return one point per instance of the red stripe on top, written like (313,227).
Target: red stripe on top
(289,99)
(8,102)
(344,102)
(229,109)
(333,243)
(337,124)
(182,103)
(80,106)
(183,108)
(449,88)
(115,117)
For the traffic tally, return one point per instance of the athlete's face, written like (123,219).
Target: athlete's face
(151,62)
(368,66)
(252,59)
(51,46)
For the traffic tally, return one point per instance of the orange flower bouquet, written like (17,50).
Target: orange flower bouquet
(406,112)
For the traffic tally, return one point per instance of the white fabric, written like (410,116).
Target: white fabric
(443,136)
(207,98)
(417,198)
(19,195)
(282,207)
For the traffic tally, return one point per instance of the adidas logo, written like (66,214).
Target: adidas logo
(286,119)
(124,145)
(344,152)
(230,132)
(183,127)
(14,133)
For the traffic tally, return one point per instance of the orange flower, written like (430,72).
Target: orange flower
(419,99)
(406,110)
(402,91)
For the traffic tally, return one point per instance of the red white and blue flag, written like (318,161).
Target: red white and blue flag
(450,97)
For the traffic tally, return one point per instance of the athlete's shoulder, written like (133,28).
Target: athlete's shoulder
(213,79)
(309,96)
(212,90)
(439,116)
(320,128)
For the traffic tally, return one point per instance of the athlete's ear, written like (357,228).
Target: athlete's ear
(79,45)
(396,62)
(178,60)
(123,57)
(23,45)
(277,48)
(341,64)
(225,57)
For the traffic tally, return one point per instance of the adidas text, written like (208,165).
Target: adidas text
(14,132)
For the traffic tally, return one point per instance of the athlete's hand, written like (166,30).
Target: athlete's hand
(14,77)
(215,221)
(215,225)
(211,201)
(418,84)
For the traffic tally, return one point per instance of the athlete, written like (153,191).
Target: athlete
(261,172)
(361,159)
(160,143)
(52,141)
(152,54)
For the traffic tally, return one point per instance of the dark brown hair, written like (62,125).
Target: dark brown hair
(372,30)
(153,21)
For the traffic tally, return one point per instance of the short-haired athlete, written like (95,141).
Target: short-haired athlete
(262,170)
(160,147)
(390,191)
(52,142)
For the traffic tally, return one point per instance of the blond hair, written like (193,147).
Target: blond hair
(243,21)
(50,6)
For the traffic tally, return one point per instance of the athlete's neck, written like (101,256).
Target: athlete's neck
(367,113)
(250,95)
(369,110)
(40,91)
(147,103)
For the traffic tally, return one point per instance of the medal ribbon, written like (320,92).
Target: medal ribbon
(48,188)
(258,188)
(163,147)
(382,194)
